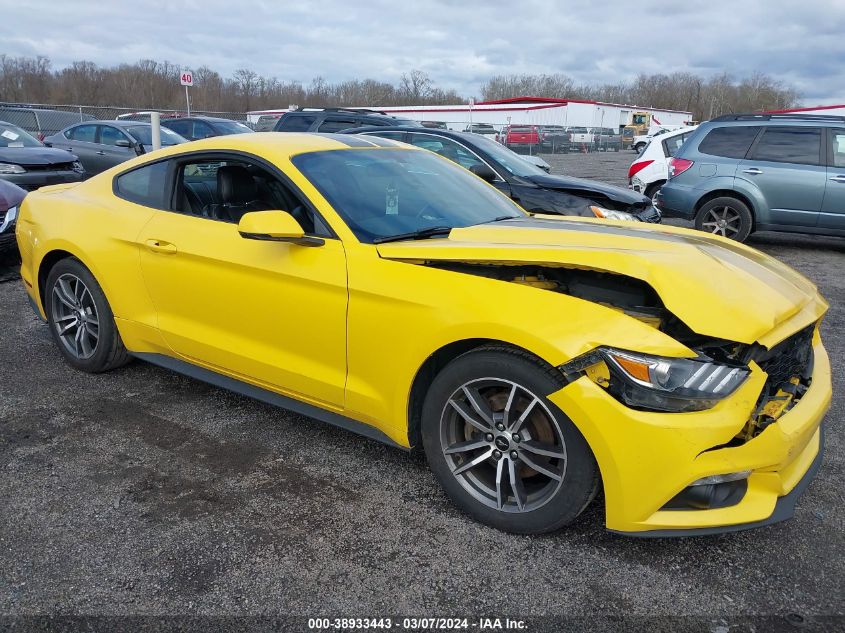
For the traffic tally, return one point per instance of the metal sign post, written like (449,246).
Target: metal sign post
(186,78)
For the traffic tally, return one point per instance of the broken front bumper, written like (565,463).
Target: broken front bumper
(648,458)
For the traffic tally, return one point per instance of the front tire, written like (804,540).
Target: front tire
(503,452)
(725,216)
(80,319)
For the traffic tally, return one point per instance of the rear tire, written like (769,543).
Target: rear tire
(725,216)
(80,319)
(651,191)
(503,452)
(639,147)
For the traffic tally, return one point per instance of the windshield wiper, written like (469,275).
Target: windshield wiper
(422,234)
(501,218)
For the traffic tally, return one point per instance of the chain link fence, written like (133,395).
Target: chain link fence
(41,119)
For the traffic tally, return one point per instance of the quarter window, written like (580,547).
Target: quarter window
(144,186)
(800,145)
(729,142)
(672,145)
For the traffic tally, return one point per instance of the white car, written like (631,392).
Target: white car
(650,170)
(641,140)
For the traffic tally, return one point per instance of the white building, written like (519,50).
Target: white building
(529,111)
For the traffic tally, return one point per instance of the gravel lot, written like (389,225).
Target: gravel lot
(143,492)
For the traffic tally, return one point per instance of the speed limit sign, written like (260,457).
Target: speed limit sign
(186,77)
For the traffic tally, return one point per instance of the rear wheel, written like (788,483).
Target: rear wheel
(80,318)
(651,192)
(503,452)
(725,216)
(639,147)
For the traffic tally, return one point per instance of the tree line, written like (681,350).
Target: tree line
(154,84)
(704,97)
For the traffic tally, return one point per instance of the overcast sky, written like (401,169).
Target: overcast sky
(459,44)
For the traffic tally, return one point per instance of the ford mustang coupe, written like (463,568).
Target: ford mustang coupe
(383,288)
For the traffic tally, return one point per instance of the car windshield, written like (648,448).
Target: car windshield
(13,136)
(515,164)
(143,134)
(382,193)
(231,127)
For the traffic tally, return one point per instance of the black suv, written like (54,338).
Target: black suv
(335,120)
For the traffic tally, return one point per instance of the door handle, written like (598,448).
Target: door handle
(101,153)
(752,171)
(838,178)
(160,246)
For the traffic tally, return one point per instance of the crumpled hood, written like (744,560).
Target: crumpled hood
(35,155)
(718,287)
(570,183)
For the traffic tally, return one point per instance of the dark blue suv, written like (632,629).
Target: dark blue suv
(743,173)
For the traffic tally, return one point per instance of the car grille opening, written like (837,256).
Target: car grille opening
(788,359)
(51,167)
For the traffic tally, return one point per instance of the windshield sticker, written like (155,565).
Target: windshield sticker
(392,200)
(9,135)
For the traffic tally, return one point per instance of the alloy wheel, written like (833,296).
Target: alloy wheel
(725,221)
(503,445)
(75,316)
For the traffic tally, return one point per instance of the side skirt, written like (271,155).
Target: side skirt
(265,395)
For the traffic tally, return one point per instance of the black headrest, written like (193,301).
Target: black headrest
(235,185)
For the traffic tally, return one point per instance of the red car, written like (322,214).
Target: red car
(522,137)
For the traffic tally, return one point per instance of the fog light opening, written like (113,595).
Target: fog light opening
(708,493)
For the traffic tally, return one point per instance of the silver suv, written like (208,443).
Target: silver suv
(743,173)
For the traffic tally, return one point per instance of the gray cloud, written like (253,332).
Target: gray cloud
(458,45)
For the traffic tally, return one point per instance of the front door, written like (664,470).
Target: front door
(272,313)
(787,166)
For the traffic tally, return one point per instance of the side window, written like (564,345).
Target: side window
(837,146)
(672,145)
(729,142)
(446,148)
(295,123)
(332,124)
(226,189)
(800,145)
(183,128)
(84,133)
(144,185)
(202,130)
(110,135)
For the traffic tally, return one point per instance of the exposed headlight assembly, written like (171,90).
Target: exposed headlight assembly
(610,214)
(10,168)
(677,385)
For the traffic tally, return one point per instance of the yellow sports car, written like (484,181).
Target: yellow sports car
(385,289)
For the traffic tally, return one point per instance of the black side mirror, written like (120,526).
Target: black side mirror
(123,143)
(484,171)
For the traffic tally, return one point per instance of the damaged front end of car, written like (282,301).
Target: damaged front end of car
(693,367)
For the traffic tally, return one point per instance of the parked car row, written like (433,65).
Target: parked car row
(559,139)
